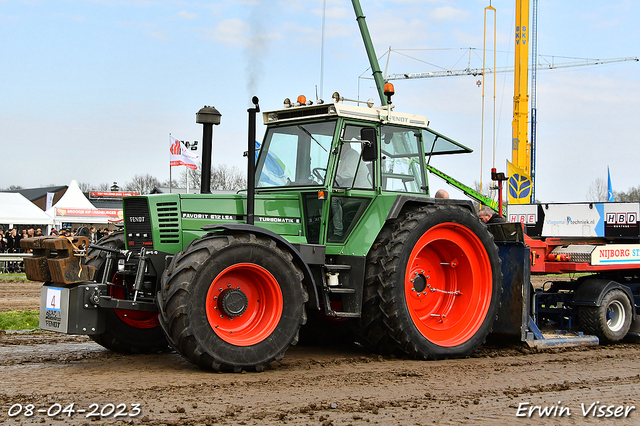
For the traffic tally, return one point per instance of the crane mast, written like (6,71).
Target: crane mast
(520,142)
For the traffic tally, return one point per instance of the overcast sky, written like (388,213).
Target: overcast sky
(91,89)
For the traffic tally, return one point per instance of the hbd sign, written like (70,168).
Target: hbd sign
(627,218)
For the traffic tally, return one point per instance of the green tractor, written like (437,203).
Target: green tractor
(337,220)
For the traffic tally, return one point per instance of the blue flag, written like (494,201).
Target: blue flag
(610,190)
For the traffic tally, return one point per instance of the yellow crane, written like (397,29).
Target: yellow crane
(520,185)
(520,141)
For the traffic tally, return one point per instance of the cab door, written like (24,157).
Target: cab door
(352,184)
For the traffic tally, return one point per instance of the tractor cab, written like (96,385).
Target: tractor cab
(340,157)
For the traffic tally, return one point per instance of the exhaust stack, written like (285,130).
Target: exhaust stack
(251,163)
(207,116)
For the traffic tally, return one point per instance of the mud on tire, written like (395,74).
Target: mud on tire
(125,331)
(232,302)
(432,286)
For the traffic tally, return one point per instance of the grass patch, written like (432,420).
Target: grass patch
(13,277)
(19,320)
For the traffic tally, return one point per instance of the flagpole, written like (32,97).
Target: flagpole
(169,163)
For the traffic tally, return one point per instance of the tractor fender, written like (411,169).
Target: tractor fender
(592,291)
(298,259)
(403,199)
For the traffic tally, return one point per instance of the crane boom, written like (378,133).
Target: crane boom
(478,71)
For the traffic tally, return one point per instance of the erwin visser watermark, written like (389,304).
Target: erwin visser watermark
(593,409)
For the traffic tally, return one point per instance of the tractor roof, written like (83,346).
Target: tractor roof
(379,114)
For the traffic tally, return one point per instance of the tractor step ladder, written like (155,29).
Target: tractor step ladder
(332,284)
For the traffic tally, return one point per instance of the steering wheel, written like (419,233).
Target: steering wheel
(316,172)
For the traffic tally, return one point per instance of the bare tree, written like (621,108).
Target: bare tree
(227,178)
(88,187)
(633,195)
(173,183)
(85,187)
(194,178)
(598,190)
(103,187)
(223,178)
(142,184)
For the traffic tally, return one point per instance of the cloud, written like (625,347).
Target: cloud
(238,33)
(8,17)
(187,15)
(335,13)
(448,13)
(158,35)
(231,32)
(139,25)
(76,18)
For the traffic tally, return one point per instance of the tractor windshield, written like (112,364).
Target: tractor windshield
(295,155)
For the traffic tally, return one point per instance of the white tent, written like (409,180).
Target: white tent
(74,207)
(15,210)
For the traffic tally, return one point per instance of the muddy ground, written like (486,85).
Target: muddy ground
(42,374)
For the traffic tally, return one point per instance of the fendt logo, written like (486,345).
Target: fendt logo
(136,219)
(622,218)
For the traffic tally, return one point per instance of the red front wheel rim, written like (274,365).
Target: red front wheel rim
(244,304)
(448,284)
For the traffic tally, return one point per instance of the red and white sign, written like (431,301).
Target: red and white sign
(101,194)
(616,254)
(90,212)
(523,213)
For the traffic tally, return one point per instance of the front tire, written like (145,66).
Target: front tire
(433,284)
(610,321)
(126,331)
(232,302)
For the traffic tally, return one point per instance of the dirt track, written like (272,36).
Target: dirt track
(313,385)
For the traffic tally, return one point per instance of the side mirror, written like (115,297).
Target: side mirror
(369,138)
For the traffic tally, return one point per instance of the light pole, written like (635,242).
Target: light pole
(207,116)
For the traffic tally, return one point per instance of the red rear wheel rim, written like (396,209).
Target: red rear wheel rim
(137,319)
(448,284)
(258,308)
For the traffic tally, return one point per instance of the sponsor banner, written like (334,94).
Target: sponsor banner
(519,185)
(609,220)
(89,212)
(107,194)
(616,254)
(573,220)
(49,202)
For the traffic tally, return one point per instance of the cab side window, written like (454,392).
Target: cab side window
(401,165)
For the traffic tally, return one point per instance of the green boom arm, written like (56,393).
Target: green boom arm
(371,53)
(468,191)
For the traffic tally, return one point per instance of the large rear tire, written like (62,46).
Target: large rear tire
(232,302)
(433,283)
(126,331)
(611,320)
